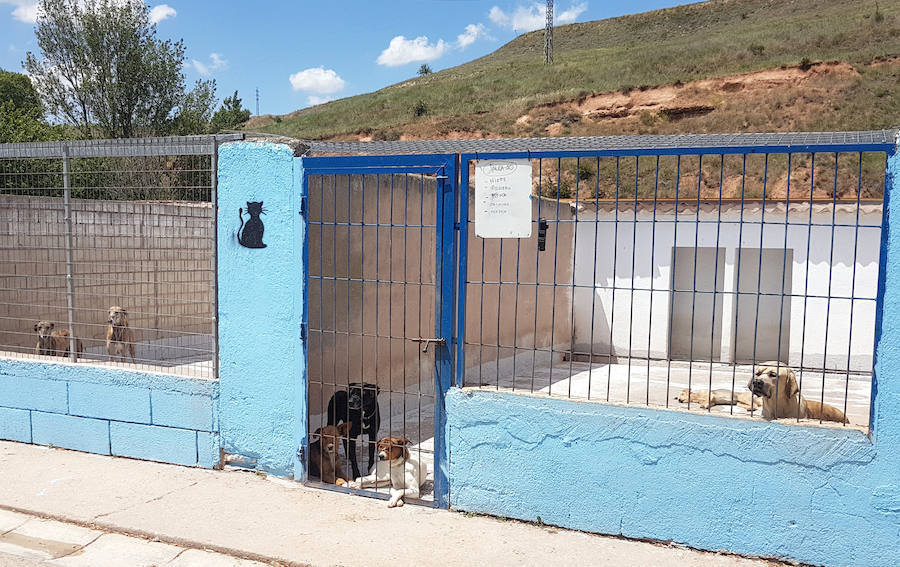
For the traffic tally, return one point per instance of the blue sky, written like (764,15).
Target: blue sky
(300,53)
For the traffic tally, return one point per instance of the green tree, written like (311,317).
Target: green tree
(197,109)
(21,113)
(424,70)
(230,115)
(103,69)
(17,89)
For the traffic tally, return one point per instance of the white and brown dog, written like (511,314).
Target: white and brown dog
(119,338)
(54,342)
(397,468)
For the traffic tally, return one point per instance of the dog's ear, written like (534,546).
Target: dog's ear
(403,441)
(790,385)
(344,428)
(318,432)
(35,327)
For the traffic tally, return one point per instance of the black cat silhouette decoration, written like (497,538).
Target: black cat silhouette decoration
(251,234)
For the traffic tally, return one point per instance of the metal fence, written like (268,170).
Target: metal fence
(733,277)
(374,305)
(108,252)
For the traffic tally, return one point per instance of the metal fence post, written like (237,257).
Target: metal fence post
(70,282)
(214,180)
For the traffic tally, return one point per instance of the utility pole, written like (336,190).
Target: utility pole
(548,35)
(257,101)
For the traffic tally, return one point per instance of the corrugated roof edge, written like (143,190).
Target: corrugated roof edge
(885,138)
(169,145)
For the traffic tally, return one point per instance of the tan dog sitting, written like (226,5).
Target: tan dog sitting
(324,460)
(54,342)
(776,384)
(119,338)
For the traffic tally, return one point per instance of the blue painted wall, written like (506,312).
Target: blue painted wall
(110,411)
(820,495)
(262,366)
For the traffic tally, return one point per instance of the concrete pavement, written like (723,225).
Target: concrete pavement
(64,505)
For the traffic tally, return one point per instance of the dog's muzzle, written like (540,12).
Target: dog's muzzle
(759,387)
(382,456)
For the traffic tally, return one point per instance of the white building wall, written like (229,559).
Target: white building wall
(841,262)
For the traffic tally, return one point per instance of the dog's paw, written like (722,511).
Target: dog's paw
(399,503)
(355,484)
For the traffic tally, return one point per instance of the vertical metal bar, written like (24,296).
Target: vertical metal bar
(712,331)
(377,338)
(555,268)
(70,279)
(463,275)
(499,313)
(830,278)
(812,187)
(537,276)
(516,313)
(481,321)
(652,264)
(637,161)
(214,198)
(853,283)
(737,287)
(694,280)
(787,212)
(673,286)
(612,310)
(762,229)
(572,292)
(593,286)
(446,263)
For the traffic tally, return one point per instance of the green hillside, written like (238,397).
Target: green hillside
(665,47)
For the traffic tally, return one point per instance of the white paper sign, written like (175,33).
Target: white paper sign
(503,198)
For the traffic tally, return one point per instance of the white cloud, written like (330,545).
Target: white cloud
(473,33)
(217,63)
(313,100)
(533,16)
(27,10)
(24,11)
(570,15)
(317,80)
(161,12)
(402,51)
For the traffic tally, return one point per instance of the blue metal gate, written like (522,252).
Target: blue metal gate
(381,257)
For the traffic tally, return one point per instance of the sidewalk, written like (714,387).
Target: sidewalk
(249,516)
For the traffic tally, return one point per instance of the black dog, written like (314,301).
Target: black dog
(358,405)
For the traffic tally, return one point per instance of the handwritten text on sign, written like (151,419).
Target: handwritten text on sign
(503,198)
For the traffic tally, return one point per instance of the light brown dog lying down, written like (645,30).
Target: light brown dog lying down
(773,389)
(707,399)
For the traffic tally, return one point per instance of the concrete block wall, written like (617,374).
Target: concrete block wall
(822,495)
(110,411)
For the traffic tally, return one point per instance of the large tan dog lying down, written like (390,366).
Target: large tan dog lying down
(774,389)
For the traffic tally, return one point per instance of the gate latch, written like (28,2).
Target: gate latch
(427,342)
